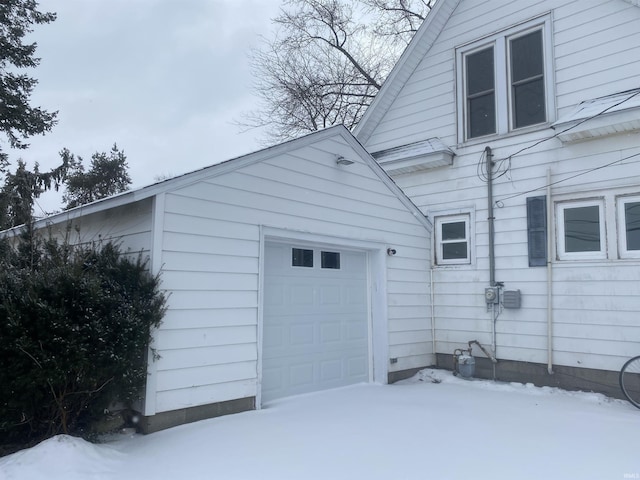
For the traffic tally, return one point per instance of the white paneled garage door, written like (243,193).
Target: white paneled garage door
(315,331)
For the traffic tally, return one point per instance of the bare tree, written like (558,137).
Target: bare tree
(326,61)
(398,19)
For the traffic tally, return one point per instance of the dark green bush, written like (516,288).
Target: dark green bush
(75,327)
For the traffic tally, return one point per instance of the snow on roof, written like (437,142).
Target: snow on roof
(416,156)
(608,104)
(608,115)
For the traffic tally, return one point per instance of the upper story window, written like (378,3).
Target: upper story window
(504,81)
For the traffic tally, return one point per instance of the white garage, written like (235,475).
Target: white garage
(293,269)
(316,319)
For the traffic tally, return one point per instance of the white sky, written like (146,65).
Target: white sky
(164,79)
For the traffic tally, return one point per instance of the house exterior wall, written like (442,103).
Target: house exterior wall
(596,52)
(585,34)
(128,225)
(211,247)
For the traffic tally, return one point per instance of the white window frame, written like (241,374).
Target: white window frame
(444,219)
(502,77)
(623,251)
(560,239)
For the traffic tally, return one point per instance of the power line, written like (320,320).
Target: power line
(569,178)
(557,134)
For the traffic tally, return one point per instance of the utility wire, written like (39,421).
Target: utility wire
(569,178)
(557,134)
(500,162)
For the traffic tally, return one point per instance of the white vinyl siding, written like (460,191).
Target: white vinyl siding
(211,265)
(129,226)
(596,47)
(583,37)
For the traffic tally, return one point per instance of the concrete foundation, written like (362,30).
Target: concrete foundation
(393,377)
(164,420)
(567,378)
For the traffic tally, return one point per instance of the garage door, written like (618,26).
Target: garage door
(315,331)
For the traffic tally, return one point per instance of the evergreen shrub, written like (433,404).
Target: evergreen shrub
(75,325)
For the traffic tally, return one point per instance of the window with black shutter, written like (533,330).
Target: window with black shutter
(537,230)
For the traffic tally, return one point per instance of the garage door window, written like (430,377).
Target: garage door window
(301,257)
(330,260)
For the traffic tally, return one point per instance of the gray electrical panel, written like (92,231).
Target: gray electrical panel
(511,299)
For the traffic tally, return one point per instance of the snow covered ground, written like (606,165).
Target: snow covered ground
(417,429)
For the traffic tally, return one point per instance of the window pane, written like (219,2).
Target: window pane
(454,251)
(526,56)
(301,257)
(632,224)
(330,260)
(482,116)
(527,80)
(481,109)
(537,230)
(454,231)
(529,103)
(480,72)
(582,229)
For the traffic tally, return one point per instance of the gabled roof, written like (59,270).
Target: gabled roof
(142,193)
(421,43)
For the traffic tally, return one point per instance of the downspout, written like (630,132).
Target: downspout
(433,318)
(549,277)
(492,256)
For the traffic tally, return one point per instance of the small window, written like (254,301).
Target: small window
(330,260)
(452,240)
(301,257)
(629,226)
(581,233)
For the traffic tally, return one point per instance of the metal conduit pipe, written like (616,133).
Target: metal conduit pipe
(490,218)
(549,277)
(492,255)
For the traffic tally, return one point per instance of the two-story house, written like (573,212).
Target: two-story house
(515,127)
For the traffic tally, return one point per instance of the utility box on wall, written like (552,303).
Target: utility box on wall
(511,299)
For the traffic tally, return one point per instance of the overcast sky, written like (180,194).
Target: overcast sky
(164,79)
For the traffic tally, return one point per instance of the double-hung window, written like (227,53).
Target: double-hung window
(629,226)
(581,230)
(452,240)
(504,81)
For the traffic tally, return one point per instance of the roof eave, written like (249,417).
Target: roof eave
(404,68)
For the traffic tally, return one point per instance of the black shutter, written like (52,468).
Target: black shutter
(537,230)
